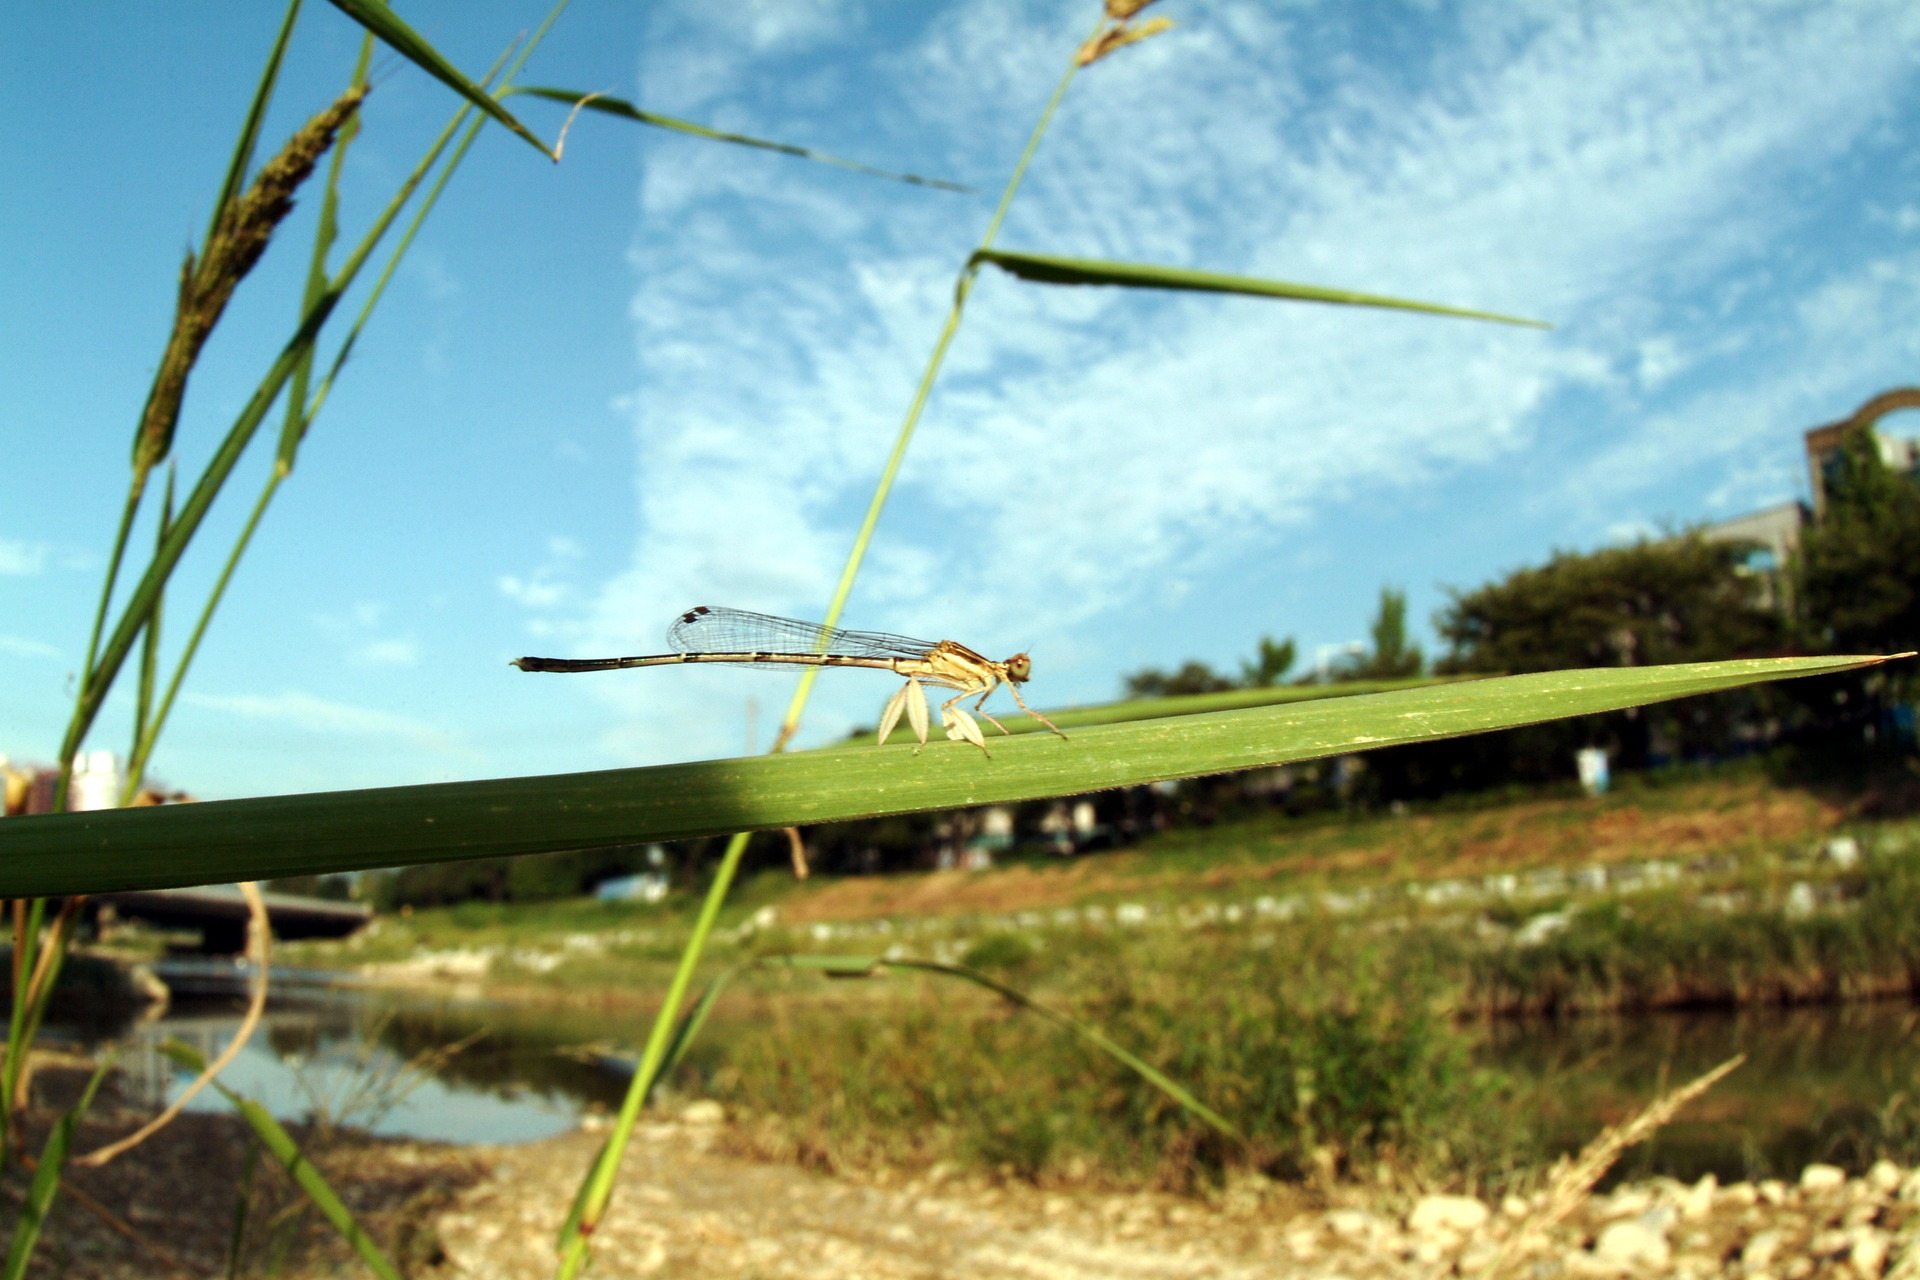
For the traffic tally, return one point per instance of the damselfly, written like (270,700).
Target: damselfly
(744,639)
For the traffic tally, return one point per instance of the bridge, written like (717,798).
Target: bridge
(220,914)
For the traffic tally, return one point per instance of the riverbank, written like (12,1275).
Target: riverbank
(686,1206)
(1732,832)
(1326,985)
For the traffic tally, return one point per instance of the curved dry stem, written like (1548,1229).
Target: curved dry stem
(259,944)
(797,850)
(1573,1179)
(560,143)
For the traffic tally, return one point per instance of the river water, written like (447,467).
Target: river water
(1826,1083)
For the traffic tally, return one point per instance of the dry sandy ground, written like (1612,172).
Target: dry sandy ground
(685,1208)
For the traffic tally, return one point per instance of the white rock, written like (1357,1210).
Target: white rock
(705,1111)
(1829,1244)
(1351,1224)
(1632,1243)
(1460,1214)
(1625,1202)
(1884,1176)
(1477,1255)
(1761,1249)
(1910,1186)
(1867,1250)
(1773,1191)
(1822,1177)
(1843,851)
(1697,1200)
(1659,1219)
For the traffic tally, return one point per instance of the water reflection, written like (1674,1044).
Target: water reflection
(398,1065)
(1832,1083)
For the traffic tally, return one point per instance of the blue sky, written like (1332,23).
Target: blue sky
(667,372)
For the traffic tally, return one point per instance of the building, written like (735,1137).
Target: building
(1772,535)
(1825,444)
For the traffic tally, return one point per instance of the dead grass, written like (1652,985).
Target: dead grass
(167,1207)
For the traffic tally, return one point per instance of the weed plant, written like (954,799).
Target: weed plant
(1332,1059)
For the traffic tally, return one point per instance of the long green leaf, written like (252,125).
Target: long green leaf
(621,108)
(280,1144)
(46,1179)
(243,149)
(1188,704)
(92,852)
(376,17)
(1042,268)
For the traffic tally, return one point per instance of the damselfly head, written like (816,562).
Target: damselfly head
(1019,668)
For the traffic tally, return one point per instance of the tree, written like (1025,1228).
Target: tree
(1678,600)
(1270,662)
(1192,677)
(1858,571)
(1392,657)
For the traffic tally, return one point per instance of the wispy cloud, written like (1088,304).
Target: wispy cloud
(20,559)
(308,714)
(548,585)
(1602,168)
(21,647)
(361,631)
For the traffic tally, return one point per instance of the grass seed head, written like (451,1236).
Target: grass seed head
(207,283)
(1120,36)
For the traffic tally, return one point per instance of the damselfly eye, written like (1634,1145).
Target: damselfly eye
(1019,668)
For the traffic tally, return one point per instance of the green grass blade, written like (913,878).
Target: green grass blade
(249,138)
(688,1028)
(326,231)
(384,23)
(46,1179)
(263,838)
(598,1174)
(133,618)
(936,360)
(624,110)
(1044,268)
(281,1146)
(149,655)
(1188,704)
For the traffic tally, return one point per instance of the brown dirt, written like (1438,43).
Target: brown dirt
(167,1207)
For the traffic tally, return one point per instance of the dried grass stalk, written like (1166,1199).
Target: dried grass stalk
(239,237)
(1572,1180)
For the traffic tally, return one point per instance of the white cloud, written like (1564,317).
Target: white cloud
(1614,169)
(21,647)
(308,714)
(549,585)
(358,629)
(388,653)
(21,559)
